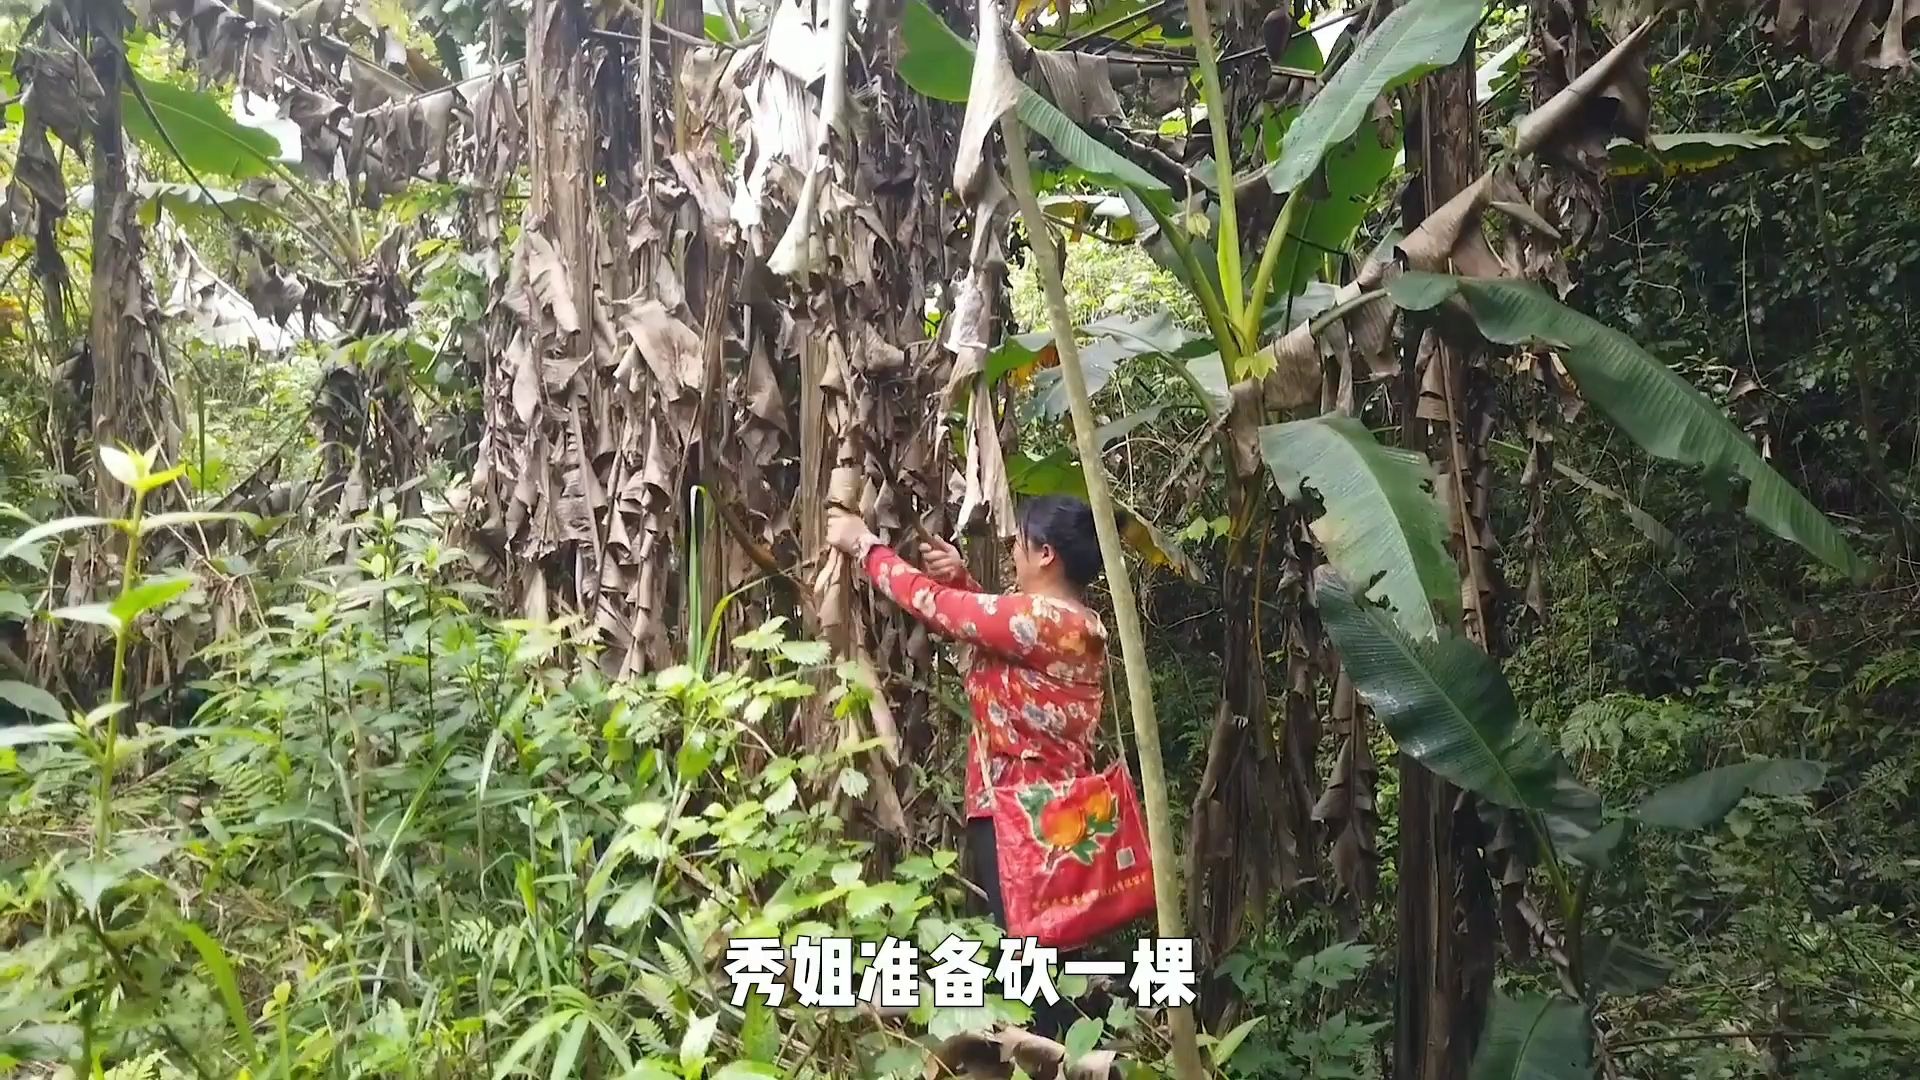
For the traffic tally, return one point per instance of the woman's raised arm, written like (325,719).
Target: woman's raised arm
(1000,624)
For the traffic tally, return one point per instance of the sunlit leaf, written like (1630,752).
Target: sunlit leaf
(1084,151)
(97,614)
(156,480)
(1697,153)
(699,1036)
(805,653)
(1083,1036)
(193,203)
(1223,1050)
(91,878)
(1112,342)
(568,1050)
(632,906)
(13,735)
(646,816)
(853,782)
(937,61)
(148,595)
(530,1040)
(206,138)
(1021,352)
(1356,171)
(122,466)
(174,519)
(697,750)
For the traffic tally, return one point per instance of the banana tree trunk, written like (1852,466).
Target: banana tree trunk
(1243,831)
(1443,907)
(133,400)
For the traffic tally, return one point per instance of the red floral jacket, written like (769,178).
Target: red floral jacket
(1034,681)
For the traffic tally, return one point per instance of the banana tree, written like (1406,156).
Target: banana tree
(1380,522)
(1328,160)
(1447,704)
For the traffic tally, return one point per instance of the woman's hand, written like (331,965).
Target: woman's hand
(847,531)
(941,560)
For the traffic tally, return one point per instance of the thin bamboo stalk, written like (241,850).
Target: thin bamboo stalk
(1146,726)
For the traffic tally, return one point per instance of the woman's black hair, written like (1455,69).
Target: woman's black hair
(1065,524)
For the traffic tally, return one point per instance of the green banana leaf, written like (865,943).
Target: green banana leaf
(1355,171)
(208,140)
(1535,1038)
(1382,522)
(1620,967)
(1420,37)
(1656,408)
(1704,798)
(1447,705)
(939,64)
(1698,153)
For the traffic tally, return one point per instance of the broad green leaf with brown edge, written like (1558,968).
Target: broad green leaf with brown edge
(1535,1038)
(1382,522)
(1655,407)
(1446,703)
(1419,37)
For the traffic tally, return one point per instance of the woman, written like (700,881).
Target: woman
(1039,654)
